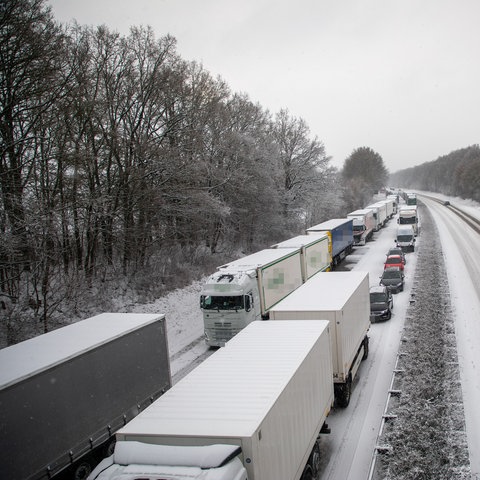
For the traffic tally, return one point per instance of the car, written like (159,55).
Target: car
(393,279)
(381,303)
(398,251)
(446,203)
(394,261)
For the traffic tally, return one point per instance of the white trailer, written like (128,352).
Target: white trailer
(363,225)
(376,217)
(390,205)
(408,215)
(244,290)
(251,411)
(315,253)
(343,298)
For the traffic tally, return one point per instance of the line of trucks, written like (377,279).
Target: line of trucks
(247,289)
(252,411)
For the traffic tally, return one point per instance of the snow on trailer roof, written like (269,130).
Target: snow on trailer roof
(230,393)
(363,211)
(259,259)
(32,356)
(300,241)
(329,224)
(331,289)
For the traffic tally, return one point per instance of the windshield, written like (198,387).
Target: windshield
(378,298)
(407,220)
(232,302)
(393,260)
(391,274)
(404,238)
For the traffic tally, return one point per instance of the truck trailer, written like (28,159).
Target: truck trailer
(340,234)
(343,298)
(315,253)
(363,225)
(64,394)
(244,290)
(408,215)
(251,411)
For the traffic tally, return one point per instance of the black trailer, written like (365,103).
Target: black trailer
(64,394)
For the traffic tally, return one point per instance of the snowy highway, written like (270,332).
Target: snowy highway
(348,450)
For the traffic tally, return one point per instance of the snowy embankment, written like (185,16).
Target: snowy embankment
(184,327)
(426,437)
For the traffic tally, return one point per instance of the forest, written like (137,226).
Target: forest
(127,171)
(123,166)
(456,174)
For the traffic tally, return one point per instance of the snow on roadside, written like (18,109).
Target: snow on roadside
(427,438)
(184,324)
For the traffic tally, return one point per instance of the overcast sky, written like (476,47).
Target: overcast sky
(399,76)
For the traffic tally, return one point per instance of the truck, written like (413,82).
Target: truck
(343,298)
(405,238)
(380,213)
(390,206)
(315,253)
(244,290)
(411,199)
(394,199)
(363,225)
(340,234)
(65,393)
(376,217)
(253,410)
(408,215)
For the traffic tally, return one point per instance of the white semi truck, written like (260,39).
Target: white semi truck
(408,215)
(363,225)
(251,411)
(244,290)
(315,253)
(343,298)
(64,394)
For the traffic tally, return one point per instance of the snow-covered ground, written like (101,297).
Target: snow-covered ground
(349,448)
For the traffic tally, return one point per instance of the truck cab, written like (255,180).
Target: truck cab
(151,462)
(229,301)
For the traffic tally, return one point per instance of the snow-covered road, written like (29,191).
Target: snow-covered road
(347,451)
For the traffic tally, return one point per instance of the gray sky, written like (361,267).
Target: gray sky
(399,76)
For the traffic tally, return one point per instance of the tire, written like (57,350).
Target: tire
(82,470)
(343,392)
(307,473)
(314,460)
(365,348)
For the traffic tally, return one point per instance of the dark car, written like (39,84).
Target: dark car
(397,251)
(381,303)
(393,279)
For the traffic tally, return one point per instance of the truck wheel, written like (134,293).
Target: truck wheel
(314,460)
(307,473)
(365,347)
(82,471)
(343,392)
